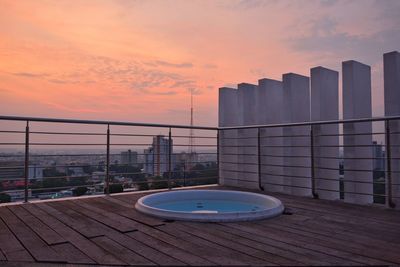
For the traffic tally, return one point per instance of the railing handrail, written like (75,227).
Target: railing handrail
(309,123)
(157,125)
(98,122)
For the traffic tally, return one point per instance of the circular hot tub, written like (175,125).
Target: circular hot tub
(210,205)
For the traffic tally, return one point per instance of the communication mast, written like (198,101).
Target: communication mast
(191,134)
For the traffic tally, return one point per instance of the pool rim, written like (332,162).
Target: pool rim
(211,217)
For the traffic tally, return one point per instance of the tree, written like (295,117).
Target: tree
(53,178)
(159,183)
(79,191)
(4,198)
(142,183)
(115,188)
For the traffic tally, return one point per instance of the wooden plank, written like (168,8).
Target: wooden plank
(384,218)
(256,257)
(110,219)
(359,251)
(246,245)
(36,246)
(146,251)
(72,254)
(359,225)
(276,254)
(109,204)
(10,246)
(138,247)
(124,254)
(2,257)
(317,244)
(280,238)
(215,256)
(170,250)
(90,249)
(130,199)
(73,219)
(305,256)
(226,256)
(41,229)
(377,248)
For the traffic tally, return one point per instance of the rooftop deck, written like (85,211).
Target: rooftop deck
(108,231)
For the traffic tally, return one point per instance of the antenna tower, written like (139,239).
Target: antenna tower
(191,134)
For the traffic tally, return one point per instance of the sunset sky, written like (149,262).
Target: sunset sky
(137,61)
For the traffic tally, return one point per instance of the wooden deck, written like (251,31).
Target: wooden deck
(108,231)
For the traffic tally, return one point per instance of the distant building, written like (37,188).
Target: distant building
(188,160)
(11,170)
(16,171)
(98,177)
(129,158)
(156,156)
(149,161)
(35,172)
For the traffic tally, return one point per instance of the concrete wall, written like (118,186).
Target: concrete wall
(247,147)
(357,104)
(296,106)
(324,107)
(391,67)
(228,116)
(270,107)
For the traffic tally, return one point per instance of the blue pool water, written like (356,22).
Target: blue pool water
(215,206)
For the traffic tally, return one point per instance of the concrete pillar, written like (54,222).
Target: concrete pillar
(391,68)
(357,104)
(228,116)
(325,107)
(296,105)
(247,148)
(270,110)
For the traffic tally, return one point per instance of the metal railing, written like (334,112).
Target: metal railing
(254,151)
(197,168)
(249,142)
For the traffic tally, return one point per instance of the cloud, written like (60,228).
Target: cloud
(62,81)
(194,91)
(248,4)
(174,65)
(182,83)
(152,92)
(328,3)
(71,109)
(30,74)
(210,66)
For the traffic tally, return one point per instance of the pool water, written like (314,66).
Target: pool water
(208,206)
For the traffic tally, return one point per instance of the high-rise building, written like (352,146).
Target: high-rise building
(157,156)
(129,158)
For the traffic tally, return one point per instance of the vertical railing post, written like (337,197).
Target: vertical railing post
(108,161)
(184,175)
(169,158)
(259,159)
(218,142)
(26,172)
(388,166)
(313,187)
